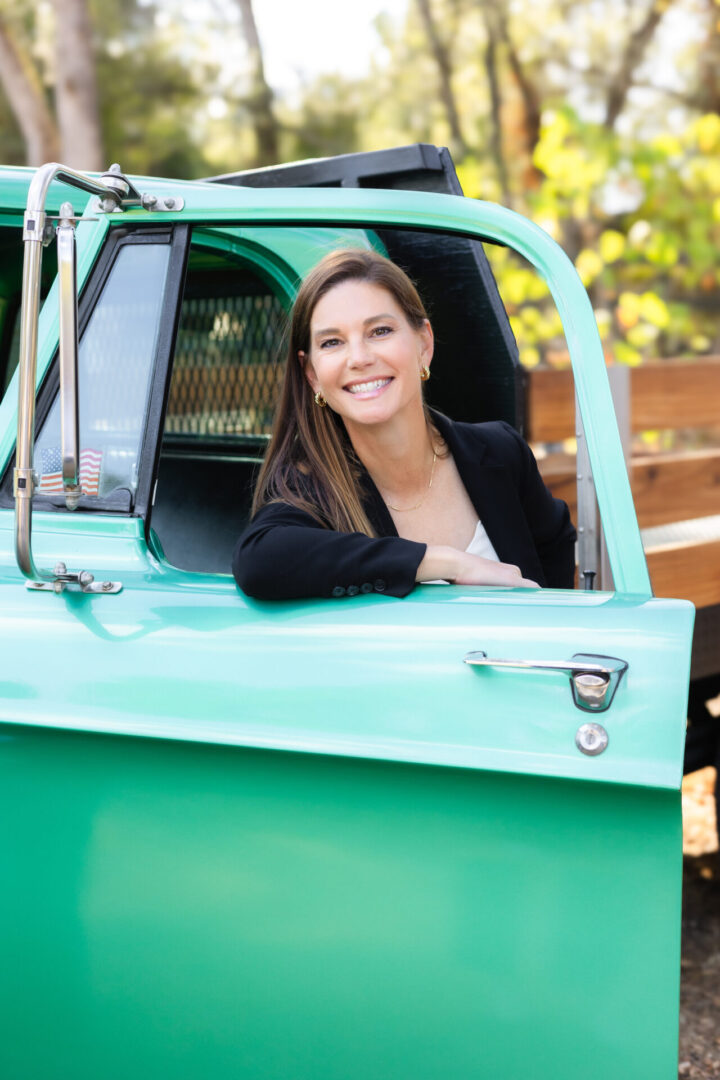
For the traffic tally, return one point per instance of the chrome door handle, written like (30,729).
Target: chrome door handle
(593,679)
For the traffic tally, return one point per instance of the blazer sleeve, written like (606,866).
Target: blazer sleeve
(284,554)
(548,518)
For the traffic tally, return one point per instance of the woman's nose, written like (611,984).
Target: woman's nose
(358,352)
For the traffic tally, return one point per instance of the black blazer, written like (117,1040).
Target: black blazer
(284,554)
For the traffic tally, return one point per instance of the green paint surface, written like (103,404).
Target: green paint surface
(193,911)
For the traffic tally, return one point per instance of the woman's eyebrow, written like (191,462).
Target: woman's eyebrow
(370,319)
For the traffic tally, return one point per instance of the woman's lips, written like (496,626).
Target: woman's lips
(368,388)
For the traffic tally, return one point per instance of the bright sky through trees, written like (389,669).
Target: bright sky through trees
(319,36)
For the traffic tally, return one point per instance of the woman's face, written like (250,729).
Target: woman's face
(365,357)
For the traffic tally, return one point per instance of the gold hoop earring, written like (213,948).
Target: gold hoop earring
(320,400)
(424,373)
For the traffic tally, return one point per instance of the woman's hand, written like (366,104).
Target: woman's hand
(462,568)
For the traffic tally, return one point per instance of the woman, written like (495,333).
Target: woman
(363,488)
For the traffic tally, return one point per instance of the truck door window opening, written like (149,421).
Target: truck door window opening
(230,353)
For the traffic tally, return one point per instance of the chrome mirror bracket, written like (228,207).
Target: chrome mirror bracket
(81,579)
(38,231)
(122,195)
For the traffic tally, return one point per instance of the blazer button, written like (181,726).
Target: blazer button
(380,585)
(338,591)
(366,588)
(352,590)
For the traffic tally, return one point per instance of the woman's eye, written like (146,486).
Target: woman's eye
(381,331)
(329,343)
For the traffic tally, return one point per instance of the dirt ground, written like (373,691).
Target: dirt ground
(700,974)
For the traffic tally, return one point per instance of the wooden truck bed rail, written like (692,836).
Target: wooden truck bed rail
(667,487)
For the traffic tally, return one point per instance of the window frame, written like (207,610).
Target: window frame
(177,236)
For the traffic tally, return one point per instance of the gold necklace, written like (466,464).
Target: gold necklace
(407,509)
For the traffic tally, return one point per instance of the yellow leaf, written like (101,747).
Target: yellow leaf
(588,265)
(628,309)
(529,357)
(612,245)
(626,354)
(707,130)
(642,334)
(654,310)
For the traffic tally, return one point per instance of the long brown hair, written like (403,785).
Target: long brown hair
(310,462)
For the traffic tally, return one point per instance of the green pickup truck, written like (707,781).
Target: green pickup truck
(417,839)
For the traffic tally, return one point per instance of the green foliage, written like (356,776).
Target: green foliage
(652,272)
(635,202)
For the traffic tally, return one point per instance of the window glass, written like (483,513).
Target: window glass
(116,358)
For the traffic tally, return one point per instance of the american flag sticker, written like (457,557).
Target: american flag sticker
(51,479)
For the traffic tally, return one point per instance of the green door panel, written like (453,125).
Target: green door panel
(184,655)
(185,911)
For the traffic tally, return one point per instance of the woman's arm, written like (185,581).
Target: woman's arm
(285,554)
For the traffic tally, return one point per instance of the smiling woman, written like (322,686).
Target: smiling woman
(364,489)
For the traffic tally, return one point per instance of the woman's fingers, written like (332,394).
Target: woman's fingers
(479,571)
(465,569)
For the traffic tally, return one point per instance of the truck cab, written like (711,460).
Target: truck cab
(436,836)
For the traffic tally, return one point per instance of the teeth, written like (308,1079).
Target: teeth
(366,387)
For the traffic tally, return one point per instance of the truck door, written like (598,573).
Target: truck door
(322,839)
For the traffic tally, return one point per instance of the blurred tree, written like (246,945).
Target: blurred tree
(632,54)
(26,95)
(709,60)
(598,118)
(259,101)
(330,113)
(146,100)
(441,54)
(567,123)
(76,92)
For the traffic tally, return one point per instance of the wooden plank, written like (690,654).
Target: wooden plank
(676,394)
(666,394)
(666,487)
(550,405)
(676,487)
(688,571)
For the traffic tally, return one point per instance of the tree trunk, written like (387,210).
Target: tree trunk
(25,94)
(530,99)
(496,137)
(442,60)
(76,93)
(260,101)
(631,59)
(709,73)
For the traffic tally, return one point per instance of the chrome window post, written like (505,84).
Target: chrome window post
(37,232)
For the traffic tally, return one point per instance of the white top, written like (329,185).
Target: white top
(479,545)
